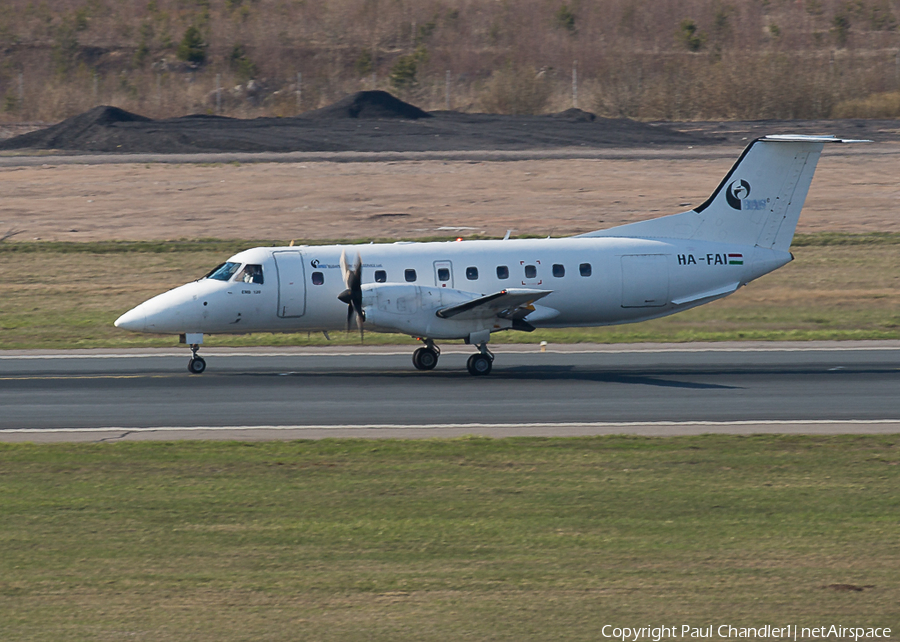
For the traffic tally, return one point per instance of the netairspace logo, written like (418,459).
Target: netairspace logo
(727,632)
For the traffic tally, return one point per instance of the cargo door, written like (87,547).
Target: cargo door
(645,280)
(291,284)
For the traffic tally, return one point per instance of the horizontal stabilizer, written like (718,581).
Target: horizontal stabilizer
(803,138)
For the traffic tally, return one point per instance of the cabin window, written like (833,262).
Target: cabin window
(380,276)
(318,278)
(410,275)
(443,274)
(530,272)
(223,272)
(472,273)
(250,274)
(559,270)
(585,269)
(502,272)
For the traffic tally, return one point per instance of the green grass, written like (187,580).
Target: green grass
(445,539)
(67,295)
(233,246)
(844,238)
(194,245)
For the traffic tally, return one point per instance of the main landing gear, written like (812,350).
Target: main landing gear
(426,358)
(481,362)
(197,364)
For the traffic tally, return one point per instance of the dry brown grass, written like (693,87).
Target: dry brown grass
(747,59)
(884,105)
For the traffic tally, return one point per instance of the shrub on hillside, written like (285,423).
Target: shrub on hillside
(565,18)
(691,36)
(65,48)
(192,47)
(404,73)
(364,65)
(840,28)
(243,67)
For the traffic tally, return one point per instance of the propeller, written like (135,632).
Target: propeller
(352,296)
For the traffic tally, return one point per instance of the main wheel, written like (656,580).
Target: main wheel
(196,365)
(479,364)
(425,359)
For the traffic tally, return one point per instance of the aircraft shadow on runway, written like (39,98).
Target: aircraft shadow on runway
(516,373)
(569,373)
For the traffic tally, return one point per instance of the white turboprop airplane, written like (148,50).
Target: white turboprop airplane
(470,289)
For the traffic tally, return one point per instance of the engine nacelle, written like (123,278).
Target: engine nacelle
(410,309)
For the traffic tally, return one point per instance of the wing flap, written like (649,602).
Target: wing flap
(509,301)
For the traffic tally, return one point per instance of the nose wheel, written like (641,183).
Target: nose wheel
(197,364)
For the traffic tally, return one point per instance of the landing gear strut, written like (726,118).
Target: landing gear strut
(426,358)
(481,362)
(196,365)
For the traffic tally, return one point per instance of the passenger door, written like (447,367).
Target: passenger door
(443,274)
(291,283)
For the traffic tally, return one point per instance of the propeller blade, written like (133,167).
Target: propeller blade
(344,270)
(352,296)
(360,319)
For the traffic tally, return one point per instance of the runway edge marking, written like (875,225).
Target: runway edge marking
(436,426)
(362,353)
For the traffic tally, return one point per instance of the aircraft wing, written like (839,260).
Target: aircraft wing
(510,304)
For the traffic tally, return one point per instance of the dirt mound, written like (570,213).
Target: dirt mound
(368,121)
(75,132)
(106,115)
(576,115)
(369,104)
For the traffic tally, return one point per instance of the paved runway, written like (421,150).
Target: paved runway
(576,390)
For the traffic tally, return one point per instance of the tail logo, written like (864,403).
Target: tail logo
(737,191)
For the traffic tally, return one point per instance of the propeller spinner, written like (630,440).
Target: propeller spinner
(352,296)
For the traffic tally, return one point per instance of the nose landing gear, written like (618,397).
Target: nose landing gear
(197,364)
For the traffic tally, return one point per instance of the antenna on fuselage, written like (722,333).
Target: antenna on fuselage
(508,232)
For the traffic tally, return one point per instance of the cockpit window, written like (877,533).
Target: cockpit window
(223,272)
(250,274)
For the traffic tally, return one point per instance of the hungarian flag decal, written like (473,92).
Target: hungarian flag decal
(735,259)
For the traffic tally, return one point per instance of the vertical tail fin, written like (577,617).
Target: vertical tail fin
(757,203)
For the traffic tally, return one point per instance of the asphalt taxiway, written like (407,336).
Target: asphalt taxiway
(375,392)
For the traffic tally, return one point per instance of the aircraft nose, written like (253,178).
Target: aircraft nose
(132,320)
